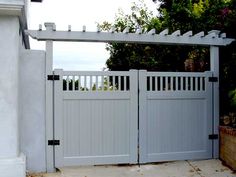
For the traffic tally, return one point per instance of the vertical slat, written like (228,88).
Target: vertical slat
(186,83)
(176,83)
(85,83)
(196,83)
(79,83)
(182,83)
(108,83)
(166,84)
(161,83)
(119,83)
(113,83)
(156,83)
(73,83)
(67,83)
(150,82)
(200,83)
(191,85)
(125,86)
(91,83)
(171,83)
(96,83)
(102,84)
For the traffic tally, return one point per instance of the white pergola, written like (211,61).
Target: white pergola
(214,39)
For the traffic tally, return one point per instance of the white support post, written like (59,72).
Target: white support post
(214,59)
(133,116)
(142,116)
(58,118)
(49,102)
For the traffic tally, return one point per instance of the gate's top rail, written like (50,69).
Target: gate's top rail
(81,81)
(181,74)
(96,80)
(96,73)
(177,81)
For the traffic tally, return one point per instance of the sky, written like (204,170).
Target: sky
(77,56)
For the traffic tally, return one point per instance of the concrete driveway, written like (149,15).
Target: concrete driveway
(204,168)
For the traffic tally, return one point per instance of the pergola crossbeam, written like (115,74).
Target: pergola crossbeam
(213,38)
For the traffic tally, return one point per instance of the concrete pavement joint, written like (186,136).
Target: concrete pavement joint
(197,170)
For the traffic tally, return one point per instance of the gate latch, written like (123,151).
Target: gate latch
(53,77)
(53,142)
(213,79)
(213,137)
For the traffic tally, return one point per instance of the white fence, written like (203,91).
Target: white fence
(175,116)
(96,117)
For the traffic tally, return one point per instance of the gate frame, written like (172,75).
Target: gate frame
(213,40)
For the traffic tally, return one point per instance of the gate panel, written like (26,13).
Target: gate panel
(175,116)
(96,118)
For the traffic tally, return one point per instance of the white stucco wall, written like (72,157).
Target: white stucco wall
(32,109)
(12,162)
(12,21)
(13,167)
(9,49)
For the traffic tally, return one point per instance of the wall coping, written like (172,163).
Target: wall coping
(228,130)
(17,8)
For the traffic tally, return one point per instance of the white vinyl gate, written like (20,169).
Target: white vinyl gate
(175,116)
(131,117)
(96,122)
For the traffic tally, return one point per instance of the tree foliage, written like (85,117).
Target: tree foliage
(184,15)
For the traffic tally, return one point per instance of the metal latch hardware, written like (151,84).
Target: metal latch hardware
(213,136)
(53,77)
(53,142)
(213,79)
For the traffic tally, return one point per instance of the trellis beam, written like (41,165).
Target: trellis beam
(212,39)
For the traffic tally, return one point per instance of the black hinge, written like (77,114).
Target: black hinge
(53,77)
(213,137)
(213,79)
(53,142)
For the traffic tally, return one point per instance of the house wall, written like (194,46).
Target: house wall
(32,109)
(22,94)
(12,162)
(9,48)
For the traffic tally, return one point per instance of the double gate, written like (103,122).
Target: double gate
(131,117)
